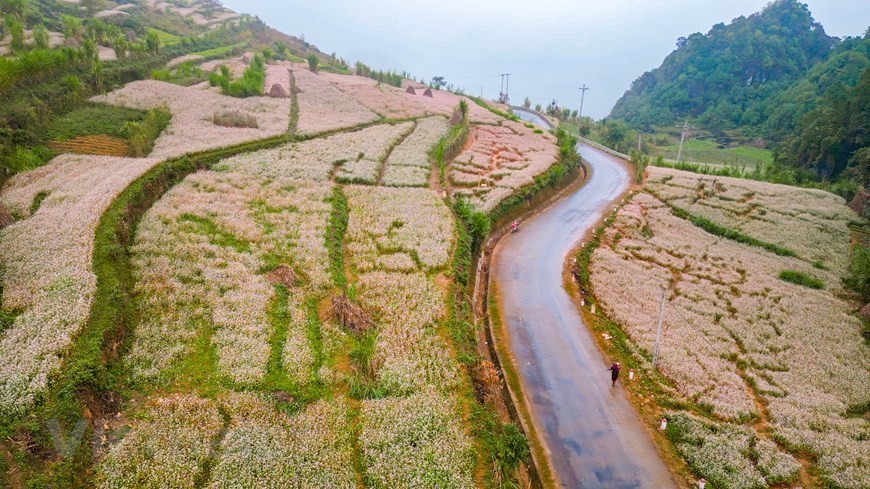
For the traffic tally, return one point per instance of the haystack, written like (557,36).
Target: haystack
(456,118)
(410,90)
(350,315)
(282,275)
(428,93)
(277,91)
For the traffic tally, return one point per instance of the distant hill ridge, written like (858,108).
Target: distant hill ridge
(763,75)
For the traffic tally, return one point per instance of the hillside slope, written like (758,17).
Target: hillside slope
(726,77)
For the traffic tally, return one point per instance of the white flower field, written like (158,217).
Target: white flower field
(236,371)
(45,264)
(498,161)
(191,128)
(735,335)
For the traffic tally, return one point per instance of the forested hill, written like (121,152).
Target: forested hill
(729,77)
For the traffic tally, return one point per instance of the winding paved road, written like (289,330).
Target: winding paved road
(593,434)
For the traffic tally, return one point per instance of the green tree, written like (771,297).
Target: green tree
(72,27)
(89,49)
(16,32)
(729,77)
(40,37)
(527,103)
(152,42)
(640,161)
(463,110)
(616,135)
(120,46)
(313,61)
(828,139)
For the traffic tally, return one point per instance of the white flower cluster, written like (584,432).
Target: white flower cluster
(199,253)
(260,447)
(322,107)
(394,236)
(297,355)
(166,449)
(409,354)
(46,264)
(366,168)
(237,66)
(408,164)
(200,13)
(277,75)
(499,160)
(812,223)
(315,159)
(266,448)
(415,442)
(395,103)
(389,221)
(728,308)
(191,128)
(729,455)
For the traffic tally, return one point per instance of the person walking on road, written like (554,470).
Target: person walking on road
(614,372)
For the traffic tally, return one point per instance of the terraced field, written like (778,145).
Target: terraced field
(758,336)
(292,301)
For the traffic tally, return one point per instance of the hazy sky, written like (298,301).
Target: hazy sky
(551,47)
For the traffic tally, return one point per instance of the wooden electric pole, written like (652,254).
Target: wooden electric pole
(683,139)
(582,97)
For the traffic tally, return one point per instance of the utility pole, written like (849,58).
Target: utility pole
(659,328)
(582,97)
(683,139)
(501,88)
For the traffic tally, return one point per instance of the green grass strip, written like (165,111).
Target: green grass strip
(335,232)
(721,231)
(800,278)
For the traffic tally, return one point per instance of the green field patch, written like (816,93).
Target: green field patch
(715,155)
(216,234)
(800,278)
(220,51)
(166,39)
(92,119)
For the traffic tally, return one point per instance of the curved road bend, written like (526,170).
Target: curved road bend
(592,432)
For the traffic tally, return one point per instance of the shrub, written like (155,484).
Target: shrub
(800,278)
(477,223)
(40,37)
(249,85)
(23,159)
(313,62)
(143,134)
(234,119)
(640,162)
(858,278)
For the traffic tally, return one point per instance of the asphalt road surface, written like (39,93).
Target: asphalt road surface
(594,436)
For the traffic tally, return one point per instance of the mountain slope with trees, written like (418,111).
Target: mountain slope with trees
(724,77)
(774,76)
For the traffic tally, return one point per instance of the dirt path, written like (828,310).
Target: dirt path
(590,429)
